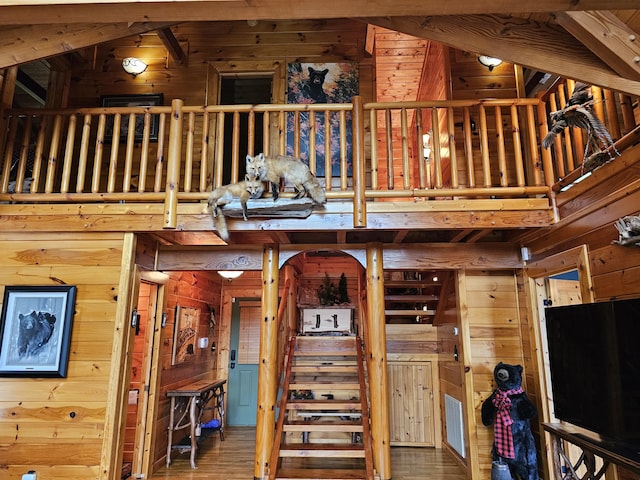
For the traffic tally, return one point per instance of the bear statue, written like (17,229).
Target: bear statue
(510,411)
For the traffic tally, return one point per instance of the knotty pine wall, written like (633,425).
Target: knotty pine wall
(43,421)
(200,290)
(235,43)
(491,331)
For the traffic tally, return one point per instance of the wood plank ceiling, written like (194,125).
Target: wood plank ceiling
(596,41)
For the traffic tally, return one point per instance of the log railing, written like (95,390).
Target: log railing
(360,151)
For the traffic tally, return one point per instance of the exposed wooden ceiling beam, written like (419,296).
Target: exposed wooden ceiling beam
(608,37)
(19,12)
(516,40)
(172,45)
(31,42)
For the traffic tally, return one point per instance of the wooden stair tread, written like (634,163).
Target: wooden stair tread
(348,426)
(324,385)
(341,450)
(324,405)
(321,474)
(325,368)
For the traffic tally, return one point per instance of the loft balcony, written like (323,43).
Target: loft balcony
(452,171)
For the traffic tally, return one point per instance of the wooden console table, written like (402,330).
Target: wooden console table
(188,403)
(564,468)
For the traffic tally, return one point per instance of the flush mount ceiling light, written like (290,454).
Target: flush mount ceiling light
(230,274)
(489,62)
(133,66)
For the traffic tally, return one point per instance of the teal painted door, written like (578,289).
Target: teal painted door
(242,395)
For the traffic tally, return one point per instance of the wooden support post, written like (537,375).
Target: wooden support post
(173,165)
(268,366)
(377,362)
(359,180)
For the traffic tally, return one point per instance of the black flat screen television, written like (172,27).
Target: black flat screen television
(594,356)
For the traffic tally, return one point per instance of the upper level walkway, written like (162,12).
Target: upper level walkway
(394,172)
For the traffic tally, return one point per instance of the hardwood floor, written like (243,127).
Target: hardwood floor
(233,459)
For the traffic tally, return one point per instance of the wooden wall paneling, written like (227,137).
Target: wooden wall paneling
(411,410)
(47,431)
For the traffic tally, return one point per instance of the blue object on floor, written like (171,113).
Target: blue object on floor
(213,423)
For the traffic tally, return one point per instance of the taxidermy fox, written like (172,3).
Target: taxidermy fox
(250,187)
(293,170)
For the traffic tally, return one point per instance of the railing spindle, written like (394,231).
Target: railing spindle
(359,185)
(373,126)
(343,150)
(452,147)
(420,149)
(468,142)
(484,146)
(188,157)
(533,146)
(219,157)
(144,154)
(312,142)
(389,138)
(113,159)
(205,181)
(128,157)
(84,153)
(328,167)
(517,146)
(24,153)
(8,153)
(502,154)
(97,156)
(52,161)
(435,144)
(39,153)
(68,154)
(404,139)
(162,120)
(235,147)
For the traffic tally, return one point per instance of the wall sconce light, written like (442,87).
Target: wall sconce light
(133,66)
(230,274)
(489,62)
(426,145)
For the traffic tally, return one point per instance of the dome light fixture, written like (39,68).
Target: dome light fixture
(230,274)
(489,62)
(133,66)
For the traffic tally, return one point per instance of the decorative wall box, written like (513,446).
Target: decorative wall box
(327,320)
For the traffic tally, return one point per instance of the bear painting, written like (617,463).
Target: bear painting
(34,332)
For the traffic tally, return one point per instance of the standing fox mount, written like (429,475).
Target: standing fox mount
(244,199)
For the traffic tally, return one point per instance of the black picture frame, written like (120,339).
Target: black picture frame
(35,330)
(143,100)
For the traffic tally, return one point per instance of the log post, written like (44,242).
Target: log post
(359,180)
(377,362)
(268,366)
(173,165)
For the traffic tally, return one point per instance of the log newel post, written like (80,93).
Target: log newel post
(359,178)
(268,366)
(377,362)
(173,165)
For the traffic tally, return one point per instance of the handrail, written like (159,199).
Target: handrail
(360,151)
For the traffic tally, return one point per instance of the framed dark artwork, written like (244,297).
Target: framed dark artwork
(321,83)
(184,334)
(145,100)
(35,335)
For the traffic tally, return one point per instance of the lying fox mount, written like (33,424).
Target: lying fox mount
(245,199)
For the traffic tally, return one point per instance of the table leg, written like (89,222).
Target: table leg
(194,440)
(170,439)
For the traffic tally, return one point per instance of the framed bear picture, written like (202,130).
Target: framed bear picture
(35,330)
(323,83)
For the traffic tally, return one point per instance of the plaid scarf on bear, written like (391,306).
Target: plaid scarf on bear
(503,437)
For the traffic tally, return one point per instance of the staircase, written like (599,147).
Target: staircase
(322,432)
